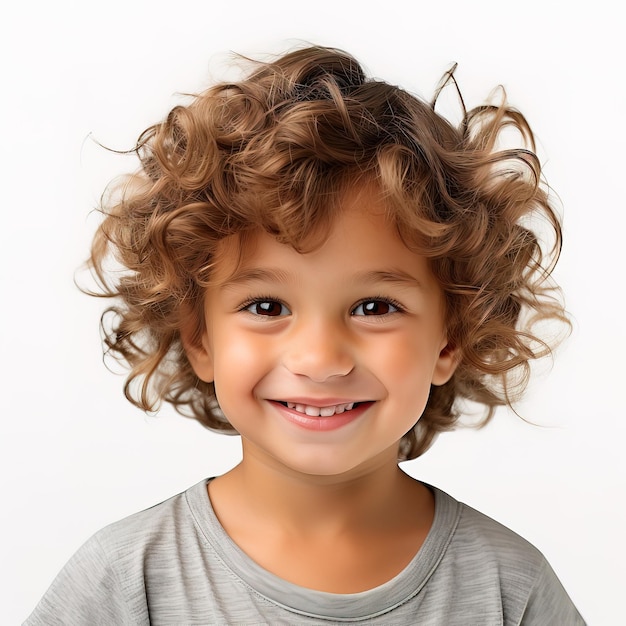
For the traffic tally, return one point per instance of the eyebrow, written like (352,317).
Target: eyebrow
(255,274)
(394,276)
(279,276)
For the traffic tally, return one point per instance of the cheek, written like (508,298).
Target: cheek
(240,362)
(236,351)
(406,359)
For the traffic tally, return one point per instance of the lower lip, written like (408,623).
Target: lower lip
(332,422)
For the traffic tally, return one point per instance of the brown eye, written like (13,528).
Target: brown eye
(375,307)
(267,308)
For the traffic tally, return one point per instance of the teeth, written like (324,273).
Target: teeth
(316,411)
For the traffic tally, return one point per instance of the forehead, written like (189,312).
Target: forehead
(360,244)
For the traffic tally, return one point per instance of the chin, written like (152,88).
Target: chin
(335,465)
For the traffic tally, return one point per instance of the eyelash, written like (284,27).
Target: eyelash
(258,300)
(390,301)
(261,299)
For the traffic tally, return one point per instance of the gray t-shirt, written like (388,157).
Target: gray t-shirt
(175,564)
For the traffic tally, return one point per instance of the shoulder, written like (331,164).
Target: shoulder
(144,530)
(481,552)
(478,535)
(486,559)
(104,581)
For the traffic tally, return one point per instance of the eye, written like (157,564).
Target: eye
(267,308)
(375,307)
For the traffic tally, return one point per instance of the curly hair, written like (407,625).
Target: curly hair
(274,152)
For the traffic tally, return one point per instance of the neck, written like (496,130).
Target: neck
(380,496)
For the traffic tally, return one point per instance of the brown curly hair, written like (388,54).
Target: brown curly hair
(274,152)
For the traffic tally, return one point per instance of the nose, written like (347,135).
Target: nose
(319,350)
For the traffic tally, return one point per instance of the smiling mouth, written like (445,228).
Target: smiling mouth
(316,411)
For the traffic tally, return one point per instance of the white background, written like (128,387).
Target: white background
(75,455)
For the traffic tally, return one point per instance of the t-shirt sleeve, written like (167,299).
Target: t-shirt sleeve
(86,591)
(549,603)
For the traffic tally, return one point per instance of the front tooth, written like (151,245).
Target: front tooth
(326,411)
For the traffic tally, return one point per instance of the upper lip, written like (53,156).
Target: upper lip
(317,402)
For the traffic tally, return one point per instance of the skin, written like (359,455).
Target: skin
(360,319)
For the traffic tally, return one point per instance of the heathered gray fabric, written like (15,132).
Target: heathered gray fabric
(175,564)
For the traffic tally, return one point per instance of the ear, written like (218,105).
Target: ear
(198,351)
(446,364)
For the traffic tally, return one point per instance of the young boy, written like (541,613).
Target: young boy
(321,263)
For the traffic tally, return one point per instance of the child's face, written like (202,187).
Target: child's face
(294,340)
